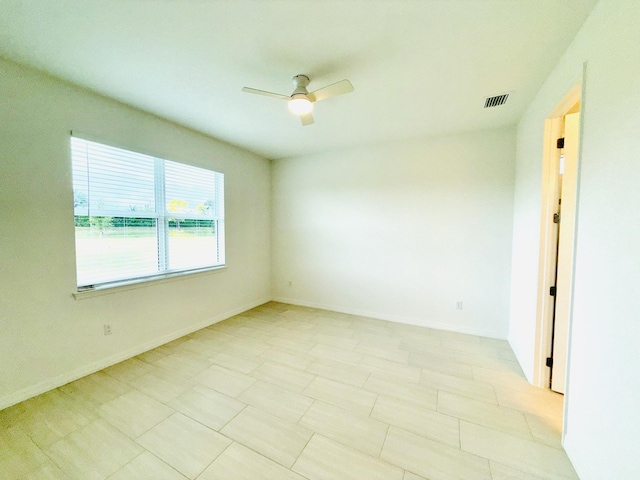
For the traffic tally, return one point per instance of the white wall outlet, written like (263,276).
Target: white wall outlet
(459,305)
(291,283)
(107,329)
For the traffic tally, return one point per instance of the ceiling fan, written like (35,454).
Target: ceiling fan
(301,101)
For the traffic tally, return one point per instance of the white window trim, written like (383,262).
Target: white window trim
(116,287)
(107,288)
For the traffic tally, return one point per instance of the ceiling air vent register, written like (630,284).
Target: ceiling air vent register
(496,101)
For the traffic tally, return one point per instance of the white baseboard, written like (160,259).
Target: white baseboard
(574,457)
(63,379)
(394,318)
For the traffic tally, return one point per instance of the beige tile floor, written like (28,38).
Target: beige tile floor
(285,392)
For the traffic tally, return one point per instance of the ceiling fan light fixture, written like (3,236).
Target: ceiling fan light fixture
(301,101)
(300,104)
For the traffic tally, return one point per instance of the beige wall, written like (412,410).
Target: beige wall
(46,336)
(603,390)
(400,231)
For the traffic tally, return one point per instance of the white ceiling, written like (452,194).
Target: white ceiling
(419,67)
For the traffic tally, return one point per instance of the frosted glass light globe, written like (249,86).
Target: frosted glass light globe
(300,105)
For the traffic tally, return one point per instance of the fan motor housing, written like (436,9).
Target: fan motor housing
(300,82)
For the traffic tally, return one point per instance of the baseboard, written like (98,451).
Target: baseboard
(392,318)
(63,379)
(574,457)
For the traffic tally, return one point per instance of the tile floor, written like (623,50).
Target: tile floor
(285,392)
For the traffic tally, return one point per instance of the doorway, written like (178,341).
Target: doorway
(557,230)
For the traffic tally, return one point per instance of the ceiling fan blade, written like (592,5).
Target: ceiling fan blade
(343,86)
(267,94)
(307,119)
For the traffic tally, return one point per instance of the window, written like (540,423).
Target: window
(140,217)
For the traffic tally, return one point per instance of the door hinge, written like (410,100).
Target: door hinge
(552,291)
(556,218)
(560,143)
(549,362)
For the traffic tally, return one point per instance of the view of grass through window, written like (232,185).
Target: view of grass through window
(138,216)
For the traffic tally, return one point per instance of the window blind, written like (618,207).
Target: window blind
(139,217)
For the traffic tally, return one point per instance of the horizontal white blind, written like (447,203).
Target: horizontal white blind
(116,181)
(137,216)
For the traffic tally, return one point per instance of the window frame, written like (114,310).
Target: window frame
(162,217)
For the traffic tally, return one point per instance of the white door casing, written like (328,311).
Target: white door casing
(565,252)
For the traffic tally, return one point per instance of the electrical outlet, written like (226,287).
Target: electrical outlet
(459,305)
(107,329)
(291,283)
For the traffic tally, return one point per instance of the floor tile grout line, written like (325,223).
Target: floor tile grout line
(142,453)
(301,452)
(472,359)
(265,457)
(40,450)
(212,461)
(386,434)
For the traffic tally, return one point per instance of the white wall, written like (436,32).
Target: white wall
(400,231)
(46,336)
(603,394)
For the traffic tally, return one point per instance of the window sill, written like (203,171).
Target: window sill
(142,283)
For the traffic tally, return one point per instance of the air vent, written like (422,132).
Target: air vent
(496,101)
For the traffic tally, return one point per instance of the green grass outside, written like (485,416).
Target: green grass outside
(101,255)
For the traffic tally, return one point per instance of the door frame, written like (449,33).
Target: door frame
(553,127)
